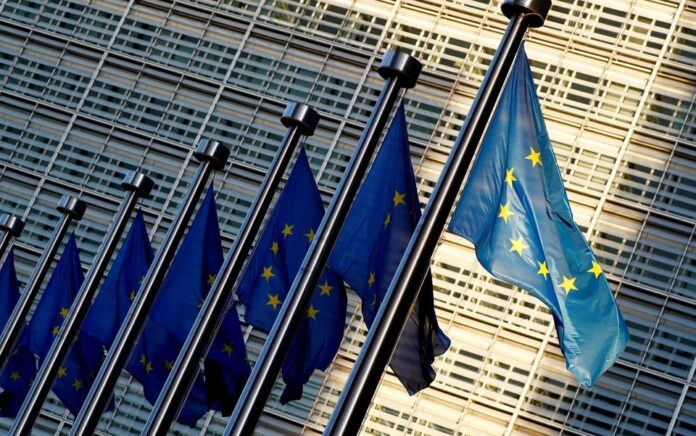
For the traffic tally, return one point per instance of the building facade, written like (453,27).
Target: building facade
(92,88)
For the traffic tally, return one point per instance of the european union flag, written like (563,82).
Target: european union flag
(368,251)
(273,265)
(514,210)
(120,286)
(21,367)
(187,283)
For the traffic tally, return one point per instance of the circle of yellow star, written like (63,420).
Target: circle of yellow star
(510,177)
(534,156)
(543,269)
(310,235)
(15,376)
(568,284)
(62,372)
(227,349)
(211,279)
(505,212)
(596,269)
(77,384)
(371,280)
(168,365)
(148,367)
(132,296)
(387,220)
(325,288)
(55,330)
(267,273)
(143,359)
(274,300)
(398,198)
(63,312)
(275,248)
(518,245)
(312,312)
(287,230)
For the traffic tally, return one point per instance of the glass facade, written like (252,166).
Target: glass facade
(90,89)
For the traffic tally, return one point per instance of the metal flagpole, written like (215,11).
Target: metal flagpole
(400,71)
(300,120)
(212,156)
(136,186)
(72,209)
(12,228)
(387,327)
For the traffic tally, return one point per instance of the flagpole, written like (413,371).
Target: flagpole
(400,71)
(12,228)
(301,120)
(390,320)
(136,186)
(72,208)
(212,156)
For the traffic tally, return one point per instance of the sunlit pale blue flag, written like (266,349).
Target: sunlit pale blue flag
(273,265)
(514,210)
(120,285)
(188,281)
(371,244)
(21,367)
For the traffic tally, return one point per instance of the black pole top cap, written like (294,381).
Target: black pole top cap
(302,116)
(72,206)
(403,66)
(138,182)
(11,224)
(212,151)
(535,11)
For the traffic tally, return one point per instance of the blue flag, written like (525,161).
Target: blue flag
(514,210)
(368,251)
(120,285)
(15,380)
(187,283)
(273,265)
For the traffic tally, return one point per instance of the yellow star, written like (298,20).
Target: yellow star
(387,220)
(211,279)
(274,248)
(568,284)
(510,177)
(398,198)
(148,367)
(505,212)
(168,365)
(132,296)
(325,288)
(267,273)
(227,349)
(273,300)
(518,245)
(62,371)
(15,376)
(534,156)
(143,359)
(55,330)
(77,384)
(310,235)
(63,312)
(596,269)
(312,312)
(543,269)
(371,280)
(287,230)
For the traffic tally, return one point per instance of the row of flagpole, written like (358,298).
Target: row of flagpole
(400,72)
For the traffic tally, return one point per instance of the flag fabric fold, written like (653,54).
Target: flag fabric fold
(368,251)
(272,268)
(514,210)
(16,378)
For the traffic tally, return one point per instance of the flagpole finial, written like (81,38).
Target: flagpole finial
(534,10)
(72,206)
(138,182)
(304,117)
(212,151)
(404,67)
(11,224)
